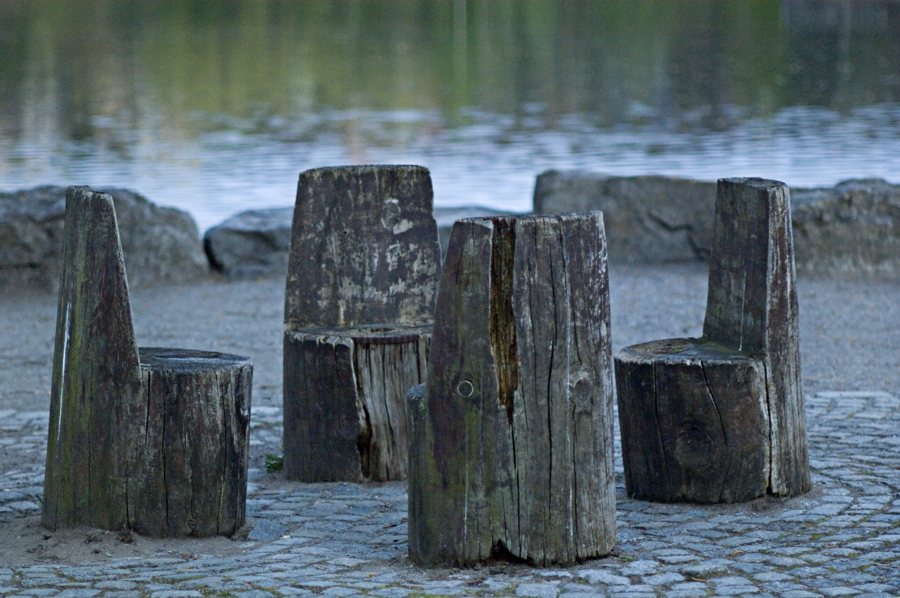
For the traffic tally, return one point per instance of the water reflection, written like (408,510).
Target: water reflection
(216,106)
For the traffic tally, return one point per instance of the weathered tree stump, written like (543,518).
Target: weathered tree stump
(356,426)
(511,443)
(362,280)
(721,418)
(153,440)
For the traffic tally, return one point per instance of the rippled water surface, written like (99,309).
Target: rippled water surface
(216,107)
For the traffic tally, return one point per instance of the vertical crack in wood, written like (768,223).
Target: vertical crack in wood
(165,469)
(502,317)
(772,430)
(504,351)
(363,365)
(724,433)
(658,427)
(743,305)
(228,416)
(387,353)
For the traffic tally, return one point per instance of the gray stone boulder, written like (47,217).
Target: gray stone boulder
(251,244)
(648,219)
(849,230)
(160,244)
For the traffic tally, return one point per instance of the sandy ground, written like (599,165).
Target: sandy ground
(850,340)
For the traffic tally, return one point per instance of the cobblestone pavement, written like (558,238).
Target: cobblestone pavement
(338,540)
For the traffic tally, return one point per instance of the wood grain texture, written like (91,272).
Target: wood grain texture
(364,248)
(747,364)
(155,441)
(347,419)
(96,384)
(696,427)
(511,442)
(190,477)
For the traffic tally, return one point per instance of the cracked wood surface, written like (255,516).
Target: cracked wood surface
(674,395)
(511,440)
(348,417)
(362,280)
(696,424)
(364,248)
(155,440)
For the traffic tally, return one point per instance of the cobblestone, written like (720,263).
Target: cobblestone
(343,540)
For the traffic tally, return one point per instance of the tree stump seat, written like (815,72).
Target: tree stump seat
(511,437)
(154,440)
(356,376)
(362,277)
(721,418)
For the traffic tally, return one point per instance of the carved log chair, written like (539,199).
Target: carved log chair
(721,418)
(151,440)
(511,438)
(362,280)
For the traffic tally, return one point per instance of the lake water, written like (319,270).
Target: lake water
(216,107)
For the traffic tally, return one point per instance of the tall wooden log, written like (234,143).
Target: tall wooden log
(361,285)
(511,442)
(721,418)
(154,440)
(96,383)
(753,307)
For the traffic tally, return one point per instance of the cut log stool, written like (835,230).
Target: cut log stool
(511,440)
(362,280)
(721,418)
(152,440)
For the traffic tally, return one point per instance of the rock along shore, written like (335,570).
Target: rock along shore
(849,230)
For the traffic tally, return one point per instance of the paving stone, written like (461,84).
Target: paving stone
(338,591)
(771,576)
(662,579)
(705,568)
(604,577)
(640,568)
(688,593)
(838,591)
(537,590)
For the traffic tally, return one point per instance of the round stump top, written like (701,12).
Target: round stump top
(188,360)
(374,334)
(674,350)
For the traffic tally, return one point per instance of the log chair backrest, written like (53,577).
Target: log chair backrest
(752,299)
(752,307)
(95,359)
(364,248)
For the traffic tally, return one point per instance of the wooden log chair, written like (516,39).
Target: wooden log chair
(721,418)
(511,437)
(150,440)
(362,280)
